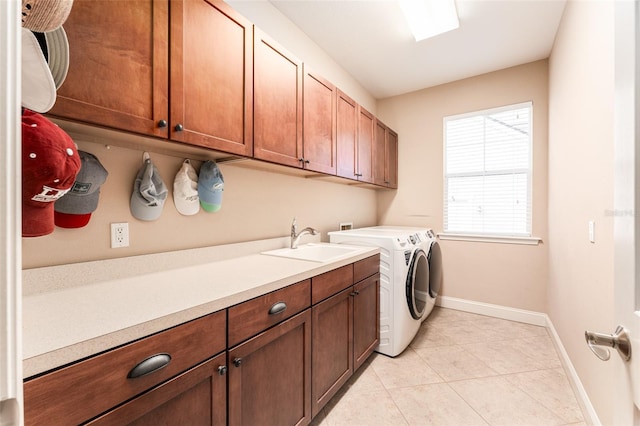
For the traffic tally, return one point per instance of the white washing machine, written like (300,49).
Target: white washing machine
(410,278)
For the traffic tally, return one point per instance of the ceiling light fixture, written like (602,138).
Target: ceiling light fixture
(429,18)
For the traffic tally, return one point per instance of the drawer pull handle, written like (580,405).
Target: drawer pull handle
(237,362)
(277,308)
(149,365)
(222,370)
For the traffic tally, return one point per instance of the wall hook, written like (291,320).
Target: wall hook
(145,157)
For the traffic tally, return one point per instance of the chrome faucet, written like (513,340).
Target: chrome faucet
(295,235)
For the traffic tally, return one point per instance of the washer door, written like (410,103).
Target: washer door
(417,283)
(435,269)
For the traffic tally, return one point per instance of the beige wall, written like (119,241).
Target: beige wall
(257,204)
(581,170)
(502,274)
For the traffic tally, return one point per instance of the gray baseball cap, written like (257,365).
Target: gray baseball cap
(74,209)
(149,193)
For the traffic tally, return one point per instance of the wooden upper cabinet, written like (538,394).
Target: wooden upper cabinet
(211,76)
(355,138)
(366,122)
(391,164)
(277,103)
(319,124)
(385,156)
(118,68)
(347,135)
(379,153)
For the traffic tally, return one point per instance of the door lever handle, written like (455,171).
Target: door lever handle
(619,340)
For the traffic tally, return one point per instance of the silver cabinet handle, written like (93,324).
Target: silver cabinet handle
(149,365)
(619,340)
(277,308)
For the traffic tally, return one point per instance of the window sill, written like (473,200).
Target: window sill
(531,241)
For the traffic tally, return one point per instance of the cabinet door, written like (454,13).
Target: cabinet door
(270,376)
(347,135)
(211,76)
(391,163)
(195,397)
(332,347)
(366,318)
(277,101)
(380,154)
(319,124)
(385,156)
(366,123)
(118,67)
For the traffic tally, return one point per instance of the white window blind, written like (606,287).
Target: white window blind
(487,182)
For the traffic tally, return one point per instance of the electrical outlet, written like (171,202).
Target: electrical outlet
(119,235)
(344,226)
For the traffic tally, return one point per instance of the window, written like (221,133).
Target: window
(487,172)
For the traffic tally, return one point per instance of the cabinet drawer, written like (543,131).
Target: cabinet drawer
(197,396)
(330,283)
(253,316)
(366,267)
(85,389)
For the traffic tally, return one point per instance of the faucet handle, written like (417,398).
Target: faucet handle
(294,228)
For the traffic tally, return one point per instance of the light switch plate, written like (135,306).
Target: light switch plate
(592,231)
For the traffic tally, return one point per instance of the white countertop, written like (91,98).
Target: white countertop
(67,318)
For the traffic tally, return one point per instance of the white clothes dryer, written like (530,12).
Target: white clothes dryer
(410,277)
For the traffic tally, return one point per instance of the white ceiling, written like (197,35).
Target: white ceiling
(370,40)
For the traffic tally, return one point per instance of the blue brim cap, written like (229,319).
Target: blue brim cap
(210,187)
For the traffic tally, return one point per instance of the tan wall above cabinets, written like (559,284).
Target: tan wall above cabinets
(219,83)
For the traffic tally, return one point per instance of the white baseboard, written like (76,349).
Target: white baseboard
(581,394)
(496,311)
(534,318)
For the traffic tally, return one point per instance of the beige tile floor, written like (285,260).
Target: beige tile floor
(461,369)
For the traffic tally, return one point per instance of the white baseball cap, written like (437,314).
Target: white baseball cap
(185,190)
(38,86)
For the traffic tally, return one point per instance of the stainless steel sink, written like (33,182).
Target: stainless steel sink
(315,252)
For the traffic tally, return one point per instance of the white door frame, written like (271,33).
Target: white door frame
(10,216)
(626,208)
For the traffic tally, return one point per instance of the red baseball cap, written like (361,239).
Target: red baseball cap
(50,163)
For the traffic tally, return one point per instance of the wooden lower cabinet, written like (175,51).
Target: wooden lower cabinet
(290,352)
(195,397)
(89,388)
(366,317)
(332,347)
(345,333)
(270,376)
